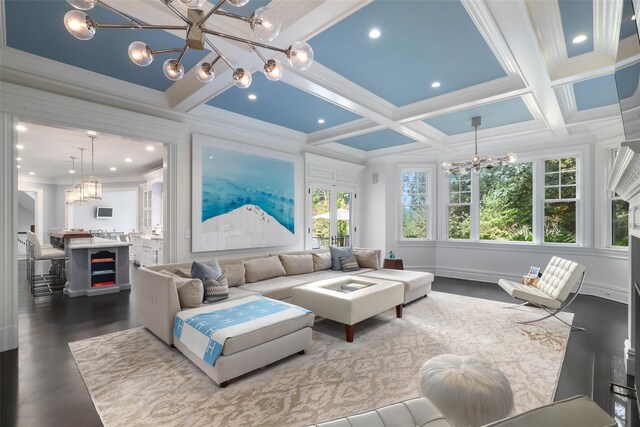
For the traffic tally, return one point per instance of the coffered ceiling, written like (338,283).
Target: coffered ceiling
(434,65)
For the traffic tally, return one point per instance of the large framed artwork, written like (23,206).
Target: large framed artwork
(242,196)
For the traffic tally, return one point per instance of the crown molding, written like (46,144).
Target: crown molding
(547,23)
(344,131)
(606,26)
(566,100)
(593,114)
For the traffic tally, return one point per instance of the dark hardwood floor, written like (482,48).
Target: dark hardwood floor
(40,384)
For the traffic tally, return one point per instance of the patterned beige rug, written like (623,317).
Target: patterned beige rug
(134,379)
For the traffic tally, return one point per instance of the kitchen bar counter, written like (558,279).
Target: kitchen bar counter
(59,238)
(96,266)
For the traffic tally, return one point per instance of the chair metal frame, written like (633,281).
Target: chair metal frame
(553,312)
(45,284)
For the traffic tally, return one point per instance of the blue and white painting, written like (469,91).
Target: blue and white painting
(245,200)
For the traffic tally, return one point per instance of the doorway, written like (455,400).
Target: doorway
(332,211)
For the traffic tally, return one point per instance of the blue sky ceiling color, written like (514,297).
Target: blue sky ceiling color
(577,19)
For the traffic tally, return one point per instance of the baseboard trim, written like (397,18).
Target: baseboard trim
(8,338)
(601,290)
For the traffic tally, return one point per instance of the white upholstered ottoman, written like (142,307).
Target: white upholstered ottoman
(467,391)
(326,299)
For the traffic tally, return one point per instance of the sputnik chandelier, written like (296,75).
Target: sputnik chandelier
(263,22)
(477,163)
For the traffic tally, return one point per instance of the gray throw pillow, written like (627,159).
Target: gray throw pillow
(336,253)
(349,263)
(215,289)
(211,269)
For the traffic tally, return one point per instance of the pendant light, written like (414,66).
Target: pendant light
(91,185)
(78,190)
(69,193)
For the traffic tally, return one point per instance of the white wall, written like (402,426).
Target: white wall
(26,218)
(124,204)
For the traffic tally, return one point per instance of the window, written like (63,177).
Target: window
(506,203)
(459,214)
(619,215)
(415,208)
(560,198)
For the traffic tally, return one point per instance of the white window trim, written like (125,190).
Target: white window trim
(609,158)
(431,218)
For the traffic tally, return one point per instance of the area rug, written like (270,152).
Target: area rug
(135,379)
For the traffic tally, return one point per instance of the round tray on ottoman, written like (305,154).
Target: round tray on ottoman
(469,392)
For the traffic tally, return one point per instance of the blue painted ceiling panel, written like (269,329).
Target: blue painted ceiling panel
(283,105)
(45,35)
(628,25)
(595,93)
(577,18)
(496,114)
(421,42)
(377,140)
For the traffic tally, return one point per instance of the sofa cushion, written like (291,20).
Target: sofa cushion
(215,289)
(349,263)
(183,272)
(411,279)
(321,261)
(297,264)
(369,258)
(168,273)
(259,269)
(276,288)
(234,274)
(190,292)
(336,253)
(528,293)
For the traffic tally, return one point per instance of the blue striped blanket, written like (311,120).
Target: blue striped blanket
(204,330)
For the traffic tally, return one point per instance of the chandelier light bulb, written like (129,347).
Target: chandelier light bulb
(511,158)
(173,69)
(193,4)
(242,78)
(83,4)
(446,166)
(273,70)
(463,170)
(300,55)
(238,3)
(140,54)
(475,160)
(491,160)
(265,24)
(79,25)
(205,72)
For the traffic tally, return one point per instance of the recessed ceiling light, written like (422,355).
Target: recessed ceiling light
(92,133)
(21,128)
(211,157)
(435,85)
(633,17)
(128,160)
(321,121)
(150,148)
(374,33)
(579,38)
(19,159)
(32,173)
(72,171)
(18,166)
(19,146)
(112,169)
(252,96)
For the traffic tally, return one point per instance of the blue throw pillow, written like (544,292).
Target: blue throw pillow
(211,269)
(336,253)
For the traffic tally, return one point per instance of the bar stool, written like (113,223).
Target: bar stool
(54,280)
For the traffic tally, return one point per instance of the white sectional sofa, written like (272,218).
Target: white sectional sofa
(159,304)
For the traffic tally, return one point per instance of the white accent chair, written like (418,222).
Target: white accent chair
(54,281)
(552,290)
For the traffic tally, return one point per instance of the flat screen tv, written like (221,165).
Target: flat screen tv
(104,213)
(628,71)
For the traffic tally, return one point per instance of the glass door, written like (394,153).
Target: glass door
(331,211)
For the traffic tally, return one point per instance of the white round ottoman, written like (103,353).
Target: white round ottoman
(467,391)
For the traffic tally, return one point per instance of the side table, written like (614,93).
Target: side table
(394,264)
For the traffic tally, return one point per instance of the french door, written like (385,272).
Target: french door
(331,211)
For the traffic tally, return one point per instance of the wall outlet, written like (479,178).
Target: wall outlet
(187,234)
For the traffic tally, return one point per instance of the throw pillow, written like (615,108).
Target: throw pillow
(215,289)
(321,261)
(234,274)
(168,273)
(259,269)
(367,258)
(336,253)
(297,264)
(200,270)
(190,292)
(183,272)
(349,263)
